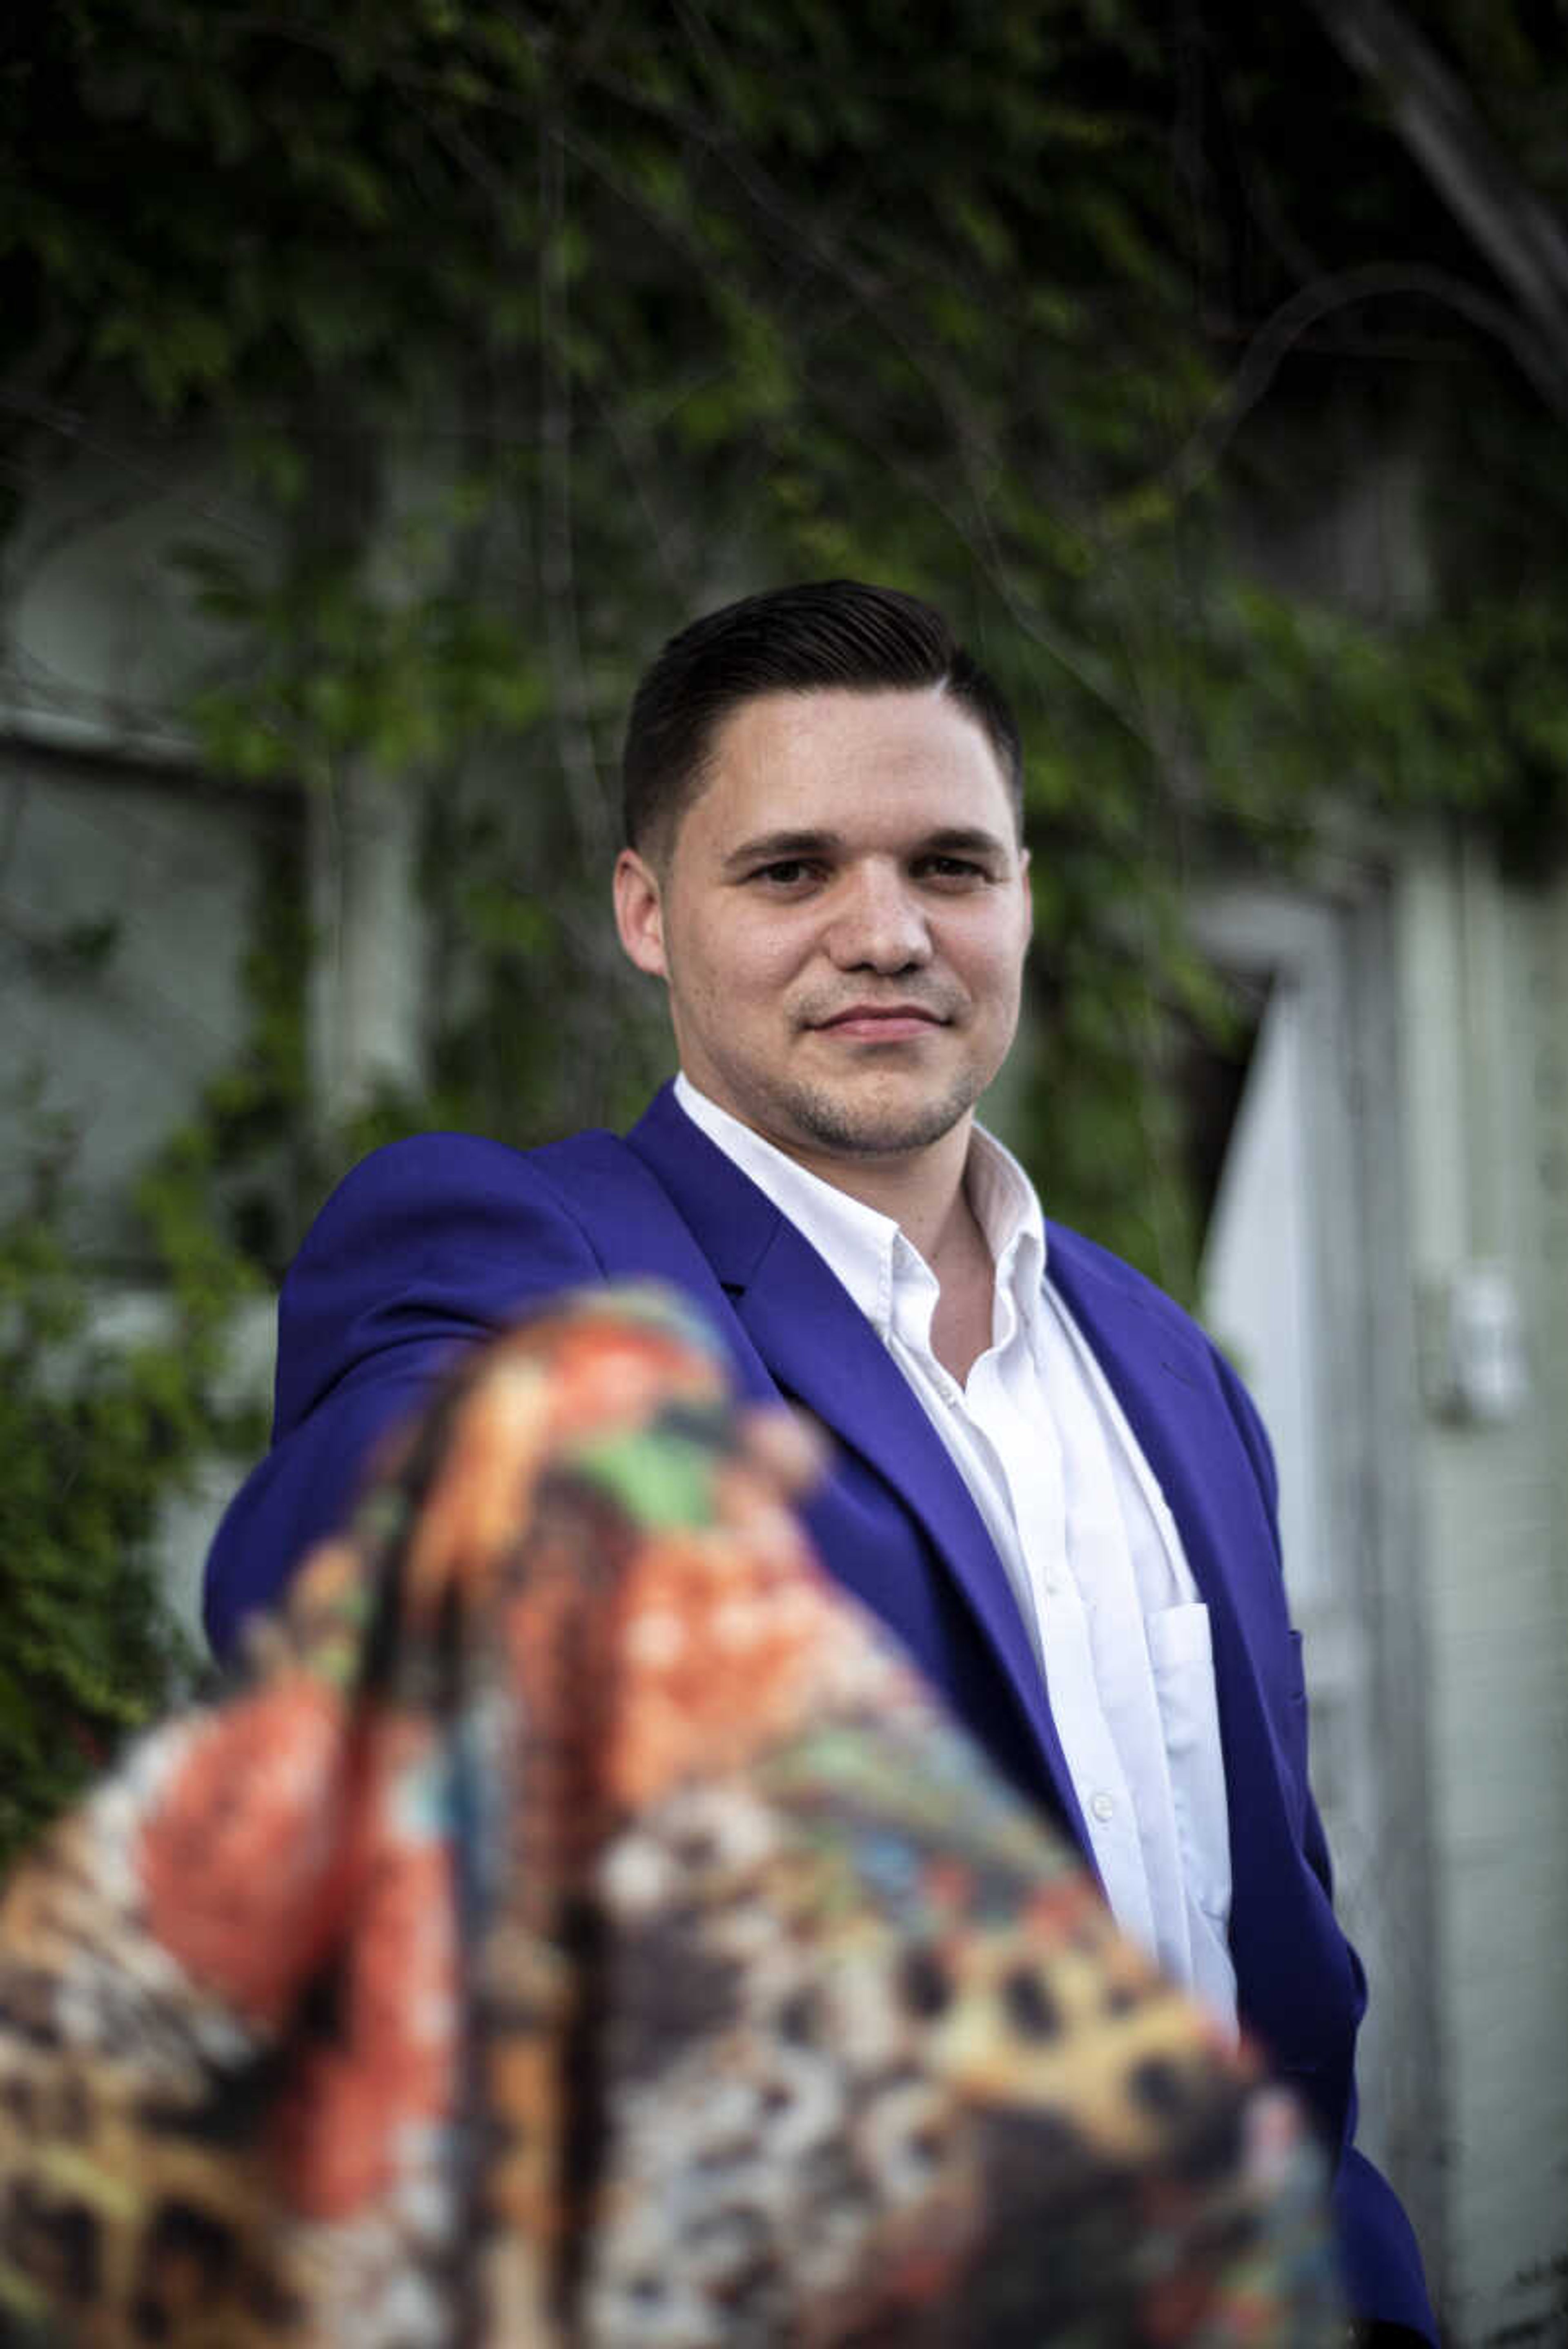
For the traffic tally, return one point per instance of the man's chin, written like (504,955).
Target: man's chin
(862,1129)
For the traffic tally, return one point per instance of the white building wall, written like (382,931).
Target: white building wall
(1483,973)
(107,820)
(104,641)
(1301,1282)
(1401,1153)
(166,873)
(1259,1297)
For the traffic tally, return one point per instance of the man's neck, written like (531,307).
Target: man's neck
(922,1191)
(928,1201)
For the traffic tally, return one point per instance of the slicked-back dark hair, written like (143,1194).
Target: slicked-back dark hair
(834,633)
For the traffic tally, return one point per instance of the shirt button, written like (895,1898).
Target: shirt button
(1104,1807)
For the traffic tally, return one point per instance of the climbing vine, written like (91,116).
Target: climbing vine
(95,1435)
(518,334)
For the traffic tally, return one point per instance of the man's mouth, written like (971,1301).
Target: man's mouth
(881,1023)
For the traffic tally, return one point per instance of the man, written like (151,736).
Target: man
(1047,1481)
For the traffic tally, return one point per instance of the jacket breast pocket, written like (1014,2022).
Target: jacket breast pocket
(1182,1654)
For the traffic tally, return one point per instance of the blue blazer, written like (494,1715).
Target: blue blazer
(431,1244)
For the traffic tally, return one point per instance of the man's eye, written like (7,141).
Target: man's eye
(952,868)
(785,872)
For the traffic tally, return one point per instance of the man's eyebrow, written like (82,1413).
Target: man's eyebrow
(962,840)
(775,847)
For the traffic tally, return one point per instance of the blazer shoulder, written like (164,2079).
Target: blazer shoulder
(1085,1261)
(439,1182)
(439,1237)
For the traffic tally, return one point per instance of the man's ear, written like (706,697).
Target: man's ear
(639,913)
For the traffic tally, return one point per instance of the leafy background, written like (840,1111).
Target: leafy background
(527,332)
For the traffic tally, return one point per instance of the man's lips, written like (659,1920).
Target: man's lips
(880,1023)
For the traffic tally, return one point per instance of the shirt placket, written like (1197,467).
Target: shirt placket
(1042,1519)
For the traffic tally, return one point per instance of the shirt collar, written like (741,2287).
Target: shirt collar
(867,1250)
(1007,1209)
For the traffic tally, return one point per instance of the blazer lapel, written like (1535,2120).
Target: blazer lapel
(821,1350)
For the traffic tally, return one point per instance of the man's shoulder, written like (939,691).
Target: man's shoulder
(444,1197)
(1083,1268)
(447,1165)
(1080,1262)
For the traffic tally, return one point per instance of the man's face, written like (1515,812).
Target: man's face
(841,920)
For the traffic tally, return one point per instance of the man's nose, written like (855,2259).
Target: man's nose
(879,923)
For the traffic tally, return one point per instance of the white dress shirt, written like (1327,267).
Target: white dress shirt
(1081,1526)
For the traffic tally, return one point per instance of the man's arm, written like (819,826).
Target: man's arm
(425,1248)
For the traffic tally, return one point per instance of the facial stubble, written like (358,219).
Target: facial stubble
(822,1118)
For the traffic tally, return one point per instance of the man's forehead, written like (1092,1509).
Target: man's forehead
(779,750)
(820,714)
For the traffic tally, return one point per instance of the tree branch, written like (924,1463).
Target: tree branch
(1520,236)
(1312,303)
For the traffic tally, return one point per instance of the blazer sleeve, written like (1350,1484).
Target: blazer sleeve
(425,1248)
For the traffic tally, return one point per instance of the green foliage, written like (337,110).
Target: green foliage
(334,670)
(528,332)
(96,1433)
